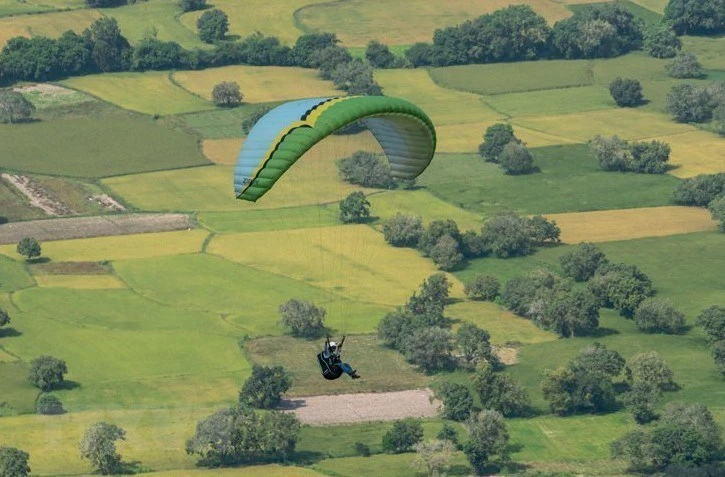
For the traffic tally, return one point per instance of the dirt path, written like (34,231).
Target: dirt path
(38,197)
(350,408)
(81,227)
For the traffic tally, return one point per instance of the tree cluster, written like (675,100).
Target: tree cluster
(302,318)
(696,17)
(686,438)
(697,104)
(500,392)
(504,235)
(502,147)
(585,384)
(264,388)
(626,92)
(13,462)
(661,41)
(552,303)
(192,5)
(366,169)
(621,287)
(712,320)
(240,435)
(700,190)
(403,436)
(615,154)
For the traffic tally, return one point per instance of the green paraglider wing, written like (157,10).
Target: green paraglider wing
(284,134)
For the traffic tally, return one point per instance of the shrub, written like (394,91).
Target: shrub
(226,93)
(48,404)
(403,230)
(515,159)
(483,287)
(626,92)
(657,315)
(684,65)
(405,434)
(303,318)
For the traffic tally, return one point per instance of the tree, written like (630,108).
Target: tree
(692,17)
(434,457)
(612,153)
(213,25)
(420,54)
(507,235)
(571,390)
(661,41)
(483,287)
(153,54)
(430,348)
(597,358)
(718,116)
(657,315)
(366,169)
(226,93)
(699,190)
(494,141)
(640,400)
(570,312)
(110,50)
(651,368)
(191,5)
(303,318)
(354,208)
(264,388)
(29,247)
(543,231)
(698,417)
(445,253)
(403,230)
(472,245)
(379,55)
(13,462)
(488,438)
(99,447)
(239,435)
(46,372)
(435,231)
(582,262)
(621,286)
(475,346)
(626,92)
(355,77)
(49,405)
(527,295)
(431,296)
(14,107)
(718,354)
(689,103)
(500,392)
(711,319)
(684,65)
(515,159)
(448,433)
(329,58)
(307,45)
(649,157)
(404,435)
(717,211)
(457,401)
(4,318)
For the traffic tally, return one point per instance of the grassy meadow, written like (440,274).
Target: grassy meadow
(161,329)
(356,22)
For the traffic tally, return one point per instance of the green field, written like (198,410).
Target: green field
(159,18)
(150,92)
(15,7)
(15,205)
(570,180)
(708,50)
(217,124)
(61,145)
(552,101)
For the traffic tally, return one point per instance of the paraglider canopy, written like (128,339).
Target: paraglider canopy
(283,135)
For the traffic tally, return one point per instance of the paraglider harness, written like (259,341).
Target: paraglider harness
(329,366)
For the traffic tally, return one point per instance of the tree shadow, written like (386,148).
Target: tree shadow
(289,404)
(602,332)
(132,468)
(38,260)
(304,458)
(459,470)
(9,333)
(232,37)
(515,467)
(67,385)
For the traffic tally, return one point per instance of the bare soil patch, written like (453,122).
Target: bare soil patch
(38,196)
(83,227)
(507,355)
(363,407)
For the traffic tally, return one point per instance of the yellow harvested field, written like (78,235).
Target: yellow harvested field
(271,18)
(624,122)
(119,247)
(421,202)
(403,22)
(626,224)
(334,258)
(222,151)
(151,92)
(654,5)
(504,326)
(259,84)
(80,282)
(694,153)
(47,24)
(467,137)
(311,180)
(444,106)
